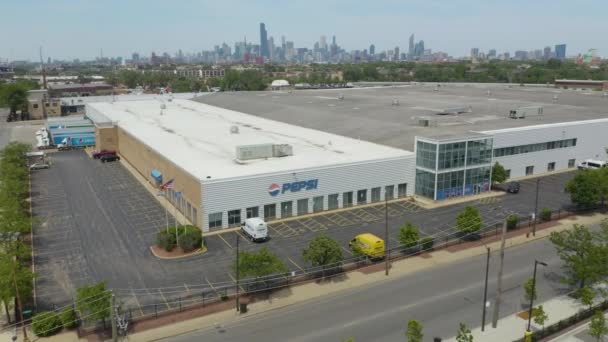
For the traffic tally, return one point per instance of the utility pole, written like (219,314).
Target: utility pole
(485,292)
(113,318)
(499,282)
(387,254)
(237,273)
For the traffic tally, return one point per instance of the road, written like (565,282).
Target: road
(439,298)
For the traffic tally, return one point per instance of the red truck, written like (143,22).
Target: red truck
(99,154)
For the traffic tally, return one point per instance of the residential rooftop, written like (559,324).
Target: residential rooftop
(200,139)
(394,115)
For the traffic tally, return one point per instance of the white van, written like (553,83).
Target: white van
(255,228)
(591,164)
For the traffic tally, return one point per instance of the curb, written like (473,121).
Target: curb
(199,251)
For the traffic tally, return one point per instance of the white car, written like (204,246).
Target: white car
(255,228)
(39,166)
(591,164)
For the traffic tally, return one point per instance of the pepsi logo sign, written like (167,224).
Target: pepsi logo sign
(274,189)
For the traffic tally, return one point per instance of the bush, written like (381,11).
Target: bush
(190,240)
(427,243)
(46,323)
(512,221)
(69,319)
(166,240)
(545,214)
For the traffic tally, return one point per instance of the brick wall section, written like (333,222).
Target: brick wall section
(144,160)
(106,138)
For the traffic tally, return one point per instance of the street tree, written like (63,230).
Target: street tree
(529,290)
(322,251)
(469,220)
(259,264)
(585,188)
(409,235)
(583,254)
(93,302)
(598,327)
(586,295)
(540,316)
(414,331)
(464,333)
(499,174)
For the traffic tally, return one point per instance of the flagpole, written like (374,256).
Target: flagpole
(166,213)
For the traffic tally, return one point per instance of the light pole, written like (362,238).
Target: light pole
(387,254)
(536,262)
(485,292)
(535,208)
(237,273)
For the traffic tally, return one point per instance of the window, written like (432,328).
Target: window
(234,217)
(253,212)
(332,201)
(270,211)
(479,152)
(189,211)
(426,155)
(215,220)
(451,155)
(571,162)
(35,105)
(450,184)
(317,204)
(46,104)
(402,190)
(362,196)
(529,170)
(508,173)
(287,209)
(425,184)
(54,104)
(347,199)
(551,145)
(551,166)
(303,206)
(376,194)
(389,192)
(194,216)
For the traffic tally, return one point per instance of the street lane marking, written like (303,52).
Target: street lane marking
(295,264)
(220,236)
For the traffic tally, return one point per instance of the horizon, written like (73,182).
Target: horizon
(65,29)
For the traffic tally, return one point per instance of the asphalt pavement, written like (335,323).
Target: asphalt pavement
(439,298)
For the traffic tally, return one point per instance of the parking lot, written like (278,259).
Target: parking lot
(96,222)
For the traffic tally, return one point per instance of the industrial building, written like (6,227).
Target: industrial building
(227,166)
(282,154)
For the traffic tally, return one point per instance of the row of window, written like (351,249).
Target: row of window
(454,155)
(509,151)
(550,167)
(303,205)
(179,202)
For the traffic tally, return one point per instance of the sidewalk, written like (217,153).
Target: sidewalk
(578,334)
(314,290)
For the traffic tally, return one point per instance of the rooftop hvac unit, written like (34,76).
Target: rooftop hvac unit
(234,129)
(282,150)
(424,122)
(261,151)
(522,112)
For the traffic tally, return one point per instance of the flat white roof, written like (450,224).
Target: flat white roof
(541,126)
(197,137)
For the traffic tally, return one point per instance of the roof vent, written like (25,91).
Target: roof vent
(395,102)
(234,129)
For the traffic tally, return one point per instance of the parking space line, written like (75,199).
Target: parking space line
(295,264)
(220,236)
(347,250)
(234,280)
(137,302)
(242,236)
(212,287)
(164,299)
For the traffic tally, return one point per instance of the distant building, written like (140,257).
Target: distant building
(372,49)
(560,51)
(411,46)
(41,105)
(264,41)
(492,54)
(6,72)
(474,53)
(581,84)
(547,53)
(521,55)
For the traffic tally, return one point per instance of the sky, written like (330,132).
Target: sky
(68,29)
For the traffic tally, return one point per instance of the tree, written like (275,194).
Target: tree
(46,323)
(464,334)
(322,251)
(409,235)
(585,188)
(93,302)
(598,327)
(259,264)
(586,295)
(529,290)
(540,316)
(584,255)
(469,220)
(499,174)
(414,331)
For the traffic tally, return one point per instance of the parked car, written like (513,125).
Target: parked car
(109,158)
(255,228)
(99,154)
(591,164)
(513,187)
(39,166)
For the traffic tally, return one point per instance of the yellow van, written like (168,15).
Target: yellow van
(368,244)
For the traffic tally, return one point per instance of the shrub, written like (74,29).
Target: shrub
(545,214)
(408,235)
(46,323)
(512,221)
(427,243)
(166,240)
(190,240)
(69,319)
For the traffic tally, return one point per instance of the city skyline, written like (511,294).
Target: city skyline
(124,28)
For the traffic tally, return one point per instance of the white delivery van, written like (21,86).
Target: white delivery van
(255,228)
(591,164)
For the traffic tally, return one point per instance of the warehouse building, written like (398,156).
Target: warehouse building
(227,166)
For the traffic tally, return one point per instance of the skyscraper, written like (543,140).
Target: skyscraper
(323,43)
(372,49)
(263,41)
(560,51)
(271,48)
(411,46)
(474,53)
(547,53)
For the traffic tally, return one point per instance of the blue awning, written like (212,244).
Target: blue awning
(157,175)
